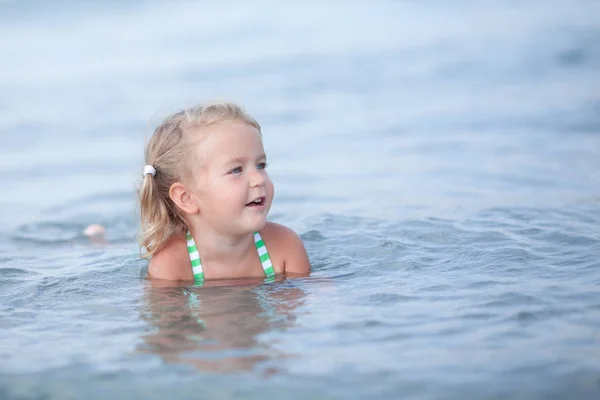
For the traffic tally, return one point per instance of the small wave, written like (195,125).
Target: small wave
(312,235)
(9,272)
(384,299)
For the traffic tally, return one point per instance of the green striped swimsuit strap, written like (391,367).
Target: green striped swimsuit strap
(194,258)
(263,254)
(261,248)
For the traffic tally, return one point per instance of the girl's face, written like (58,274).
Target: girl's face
(231,184)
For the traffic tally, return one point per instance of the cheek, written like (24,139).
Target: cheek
(213,193)
(271,187)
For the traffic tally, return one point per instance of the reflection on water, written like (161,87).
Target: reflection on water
(218,328)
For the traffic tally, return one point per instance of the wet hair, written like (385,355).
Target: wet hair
(169,151)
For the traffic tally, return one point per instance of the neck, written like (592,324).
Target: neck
(218,247)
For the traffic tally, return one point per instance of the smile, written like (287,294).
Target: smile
(260,201)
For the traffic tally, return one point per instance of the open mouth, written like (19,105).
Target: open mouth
(260,201)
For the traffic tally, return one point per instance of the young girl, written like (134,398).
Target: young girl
(204,201)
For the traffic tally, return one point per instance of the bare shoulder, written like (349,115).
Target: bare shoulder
(171,262)
(286,249)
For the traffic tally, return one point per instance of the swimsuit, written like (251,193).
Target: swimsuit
(263,254)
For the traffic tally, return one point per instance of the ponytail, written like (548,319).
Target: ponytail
(154,215)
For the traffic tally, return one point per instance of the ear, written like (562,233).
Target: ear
(183,198)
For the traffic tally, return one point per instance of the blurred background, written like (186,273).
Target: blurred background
(455,135)
(377,108)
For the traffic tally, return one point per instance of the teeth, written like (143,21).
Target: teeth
(257,201)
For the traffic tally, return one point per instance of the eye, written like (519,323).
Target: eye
(262,165)
(236,170)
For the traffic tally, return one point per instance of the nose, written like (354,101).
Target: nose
(257,178)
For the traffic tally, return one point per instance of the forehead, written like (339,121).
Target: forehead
(229,139)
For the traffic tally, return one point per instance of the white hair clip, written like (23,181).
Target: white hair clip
(149,169)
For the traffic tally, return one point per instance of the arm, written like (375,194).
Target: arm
(169,262)
(296,262)
(287,250)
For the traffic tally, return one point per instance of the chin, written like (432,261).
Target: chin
(256,226)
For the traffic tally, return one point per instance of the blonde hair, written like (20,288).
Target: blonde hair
(169,152)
